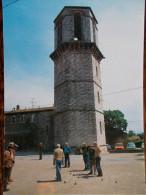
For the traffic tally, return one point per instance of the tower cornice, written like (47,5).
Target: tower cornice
(77,46)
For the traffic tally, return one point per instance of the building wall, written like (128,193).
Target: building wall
(29,134)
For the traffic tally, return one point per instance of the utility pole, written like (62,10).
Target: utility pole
(1,99)
(144,88)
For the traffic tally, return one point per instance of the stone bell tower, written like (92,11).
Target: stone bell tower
(77,91)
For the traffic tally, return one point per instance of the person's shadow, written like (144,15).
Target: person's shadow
(48,181)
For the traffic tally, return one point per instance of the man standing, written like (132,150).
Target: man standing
(67,153)
(58,158)
(8,163)
(98,159)
(92,159)
(85,156)
(41,151)
(12,154)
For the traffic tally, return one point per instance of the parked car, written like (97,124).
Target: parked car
(107,145)
(142,145)
(119,146)
(131,146)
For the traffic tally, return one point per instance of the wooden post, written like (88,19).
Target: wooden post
(144,89)
(1,98)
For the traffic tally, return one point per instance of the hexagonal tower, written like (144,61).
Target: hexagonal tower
(78,103)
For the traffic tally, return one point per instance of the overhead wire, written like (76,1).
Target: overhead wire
(10,3)
(122,91)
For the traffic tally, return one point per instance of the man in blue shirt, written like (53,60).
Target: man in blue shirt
(66,153)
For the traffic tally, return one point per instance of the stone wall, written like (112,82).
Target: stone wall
(28,134)
(78,92)
(67,20)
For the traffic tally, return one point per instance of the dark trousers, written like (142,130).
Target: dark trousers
(9,174)
(41,154)
(86,161)
(92,165)
(67,160)
(6,173)
(98,159)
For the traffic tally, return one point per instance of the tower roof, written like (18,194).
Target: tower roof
(75,7)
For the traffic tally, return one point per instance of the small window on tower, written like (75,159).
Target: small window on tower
(100,128)
(98,97)
(77,26)
(96,71)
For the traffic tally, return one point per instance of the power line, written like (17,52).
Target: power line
(114,103)
(10,3)
(122,91)
(135,121)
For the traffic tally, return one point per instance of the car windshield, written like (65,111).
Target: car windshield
(119,144)
(131,144)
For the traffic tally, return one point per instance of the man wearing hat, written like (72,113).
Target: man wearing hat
(98,159)
(85,156)
(58,158)
(8,163)
(12,154)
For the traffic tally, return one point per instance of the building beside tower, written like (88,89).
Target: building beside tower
(78,104)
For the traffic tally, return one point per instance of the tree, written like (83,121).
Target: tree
(131,133)
(115,125)
(141,135)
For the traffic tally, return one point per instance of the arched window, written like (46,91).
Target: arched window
(94,31)
(100,128)
(59,33)
(77,26)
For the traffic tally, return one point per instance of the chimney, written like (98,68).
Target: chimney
(17,107)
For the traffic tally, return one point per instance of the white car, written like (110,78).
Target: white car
(142,145)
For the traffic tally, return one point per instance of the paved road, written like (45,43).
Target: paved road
(123,174)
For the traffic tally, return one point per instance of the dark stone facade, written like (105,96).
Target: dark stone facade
(30,127)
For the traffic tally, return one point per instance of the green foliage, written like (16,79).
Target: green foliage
(140,140)
(131,134)
(141,135)
(114,120)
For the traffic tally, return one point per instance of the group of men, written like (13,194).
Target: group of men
(91,157)
(8,162)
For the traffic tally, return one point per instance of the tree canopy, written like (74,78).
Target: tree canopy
(115,125)
(115,120)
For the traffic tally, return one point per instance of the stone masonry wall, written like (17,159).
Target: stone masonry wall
(67,18)
(78,92)
(75,127)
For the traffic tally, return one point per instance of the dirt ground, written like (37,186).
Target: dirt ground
(122,174)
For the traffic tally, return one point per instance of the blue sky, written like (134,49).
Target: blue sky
(29,40)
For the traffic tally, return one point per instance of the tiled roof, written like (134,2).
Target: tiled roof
(29,110)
